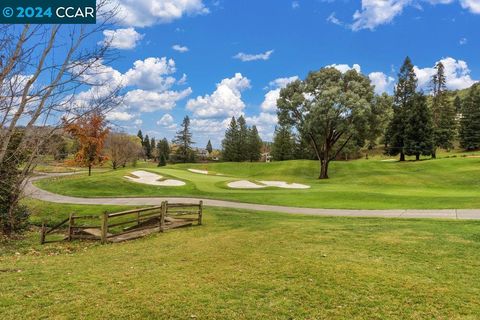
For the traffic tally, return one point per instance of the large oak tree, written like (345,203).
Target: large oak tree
(330,109)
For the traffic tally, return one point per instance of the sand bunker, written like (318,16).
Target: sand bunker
(245,184)
(198,171)
(153,179)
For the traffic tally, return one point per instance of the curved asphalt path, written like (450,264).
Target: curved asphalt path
(37,193)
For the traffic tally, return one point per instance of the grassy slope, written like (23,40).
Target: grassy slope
(246,265)
(365,184)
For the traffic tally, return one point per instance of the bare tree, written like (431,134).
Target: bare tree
(122,149)
(47,72)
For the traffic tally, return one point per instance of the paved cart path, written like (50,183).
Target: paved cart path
(461,214)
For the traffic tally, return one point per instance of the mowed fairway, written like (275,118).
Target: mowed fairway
(248,265)
(361,184)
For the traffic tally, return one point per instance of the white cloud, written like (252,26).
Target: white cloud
(244,57)
(377,12)
(123,39)
(138,122)
(295,4)
(150,101)
(265,123)
(472,5)
(144,13)
(119,116)
(269,104)
(463,41)
(151,74)
(345,67)
(165,120)
(382,82)
(179,48)
(226,100)
(456,71)
(333,19)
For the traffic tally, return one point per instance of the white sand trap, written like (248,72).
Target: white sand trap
(198,171)
(153,179)
(283,184)
(245,184)
(389,160)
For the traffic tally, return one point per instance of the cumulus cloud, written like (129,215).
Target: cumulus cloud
(265,123)
(144,13)
(226,100)
(244,57)
(333,19)
(150,101)
(269,104)
(167,122)
(382,82)
(152,74)
(179,48)
(377,12)
(119,116)
(123,39)
(345,67)
(456,71)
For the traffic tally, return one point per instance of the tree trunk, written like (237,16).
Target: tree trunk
(402,156)
(417,157)
(89,170)
(324,169)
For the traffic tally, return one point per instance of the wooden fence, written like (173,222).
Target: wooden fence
(127,225)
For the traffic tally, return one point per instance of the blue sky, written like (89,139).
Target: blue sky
(215,59)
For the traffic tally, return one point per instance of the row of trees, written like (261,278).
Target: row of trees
(241,143)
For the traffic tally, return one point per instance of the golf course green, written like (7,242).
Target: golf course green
(445,183)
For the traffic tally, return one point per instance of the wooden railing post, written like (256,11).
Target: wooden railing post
(104,227)
(200,212)
(42,233)
(163,214)
(70,226)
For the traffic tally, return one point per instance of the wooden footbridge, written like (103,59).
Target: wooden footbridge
(127,225)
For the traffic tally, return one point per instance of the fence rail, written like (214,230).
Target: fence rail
(157,218)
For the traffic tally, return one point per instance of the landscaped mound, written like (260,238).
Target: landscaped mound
(153,179)
(245,184)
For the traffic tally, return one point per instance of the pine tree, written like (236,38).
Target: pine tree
(457,103)
(443,112)
(230,142)
(147,147)
(255,144)
(404,94)
(163,161)
(470,120)
(163,148)
(140,135)
(209,147)
(184,141)
(419,133)
(283,144)
(152,149)
(242,143)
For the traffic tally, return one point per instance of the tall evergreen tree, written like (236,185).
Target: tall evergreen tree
(230,142)
(163,148)
(184,141)
(457,103)
(140,136)
(209,147)
(283,144)
(404,95)
(419,132)
(242,143)
(152,148)
(470,120)
(147,147)
(443,112)
(254,143)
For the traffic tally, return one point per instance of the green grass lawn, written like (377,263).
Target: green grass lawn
(249,265)
(361,184)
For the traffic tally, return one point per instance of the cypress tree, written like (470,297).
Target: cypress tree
(283,144)
(152,148)
(404,94)
(470,120)
(147,147)
(419,133)
(163,148)
(255,144)
(443,112)
(457,103)
(230,142)
(140,136)
(163,161)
